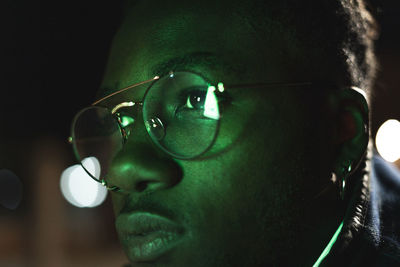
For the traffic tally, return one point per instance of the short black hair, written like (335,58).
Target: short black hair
(343,30)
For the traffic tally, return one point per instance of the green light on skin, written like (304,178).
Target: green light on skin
(329,246)
(221,87)
(211,104)
(125,121)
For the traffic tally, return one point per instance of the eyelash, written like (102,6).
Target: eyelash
(184,99)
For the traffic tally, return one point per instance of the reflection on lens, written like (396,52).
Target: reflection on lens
(126,121)
(211,104)
(155,128)
(189,112)
(221,87)
(96,135)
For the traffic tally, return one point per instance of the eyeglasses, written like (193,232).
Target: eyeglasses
(181,112)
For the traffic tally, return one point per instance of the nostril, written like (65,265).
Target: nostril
(149,185)
(141,186)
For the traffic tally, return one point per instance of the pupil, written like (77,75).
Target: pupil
(197,100)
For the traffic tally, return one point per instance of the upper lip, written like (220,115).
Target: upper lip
(143,222)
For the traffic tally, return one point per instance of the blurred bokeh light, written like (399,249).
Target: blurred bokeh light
(54,58)
(81,190)
(388,140)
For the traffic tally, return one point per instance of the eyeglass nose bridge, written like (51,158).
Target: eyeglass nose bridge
(154,126)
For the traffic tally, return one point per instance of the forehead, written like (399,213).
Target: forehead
(211,37)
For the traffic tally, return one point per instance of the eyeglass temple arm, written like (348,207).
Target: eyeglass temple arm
(124,89)
(232,86)
(250,85)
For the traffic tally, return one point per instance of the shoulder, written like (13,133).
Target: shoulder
(383,223)
(376,239)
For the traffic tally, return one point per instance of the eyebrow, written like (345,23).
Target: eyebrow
(191,60)
(194,59)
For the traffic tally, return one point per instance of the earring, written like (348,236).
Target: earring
(345,171)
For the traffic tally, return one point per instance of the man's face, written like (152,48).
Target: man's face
(243,204)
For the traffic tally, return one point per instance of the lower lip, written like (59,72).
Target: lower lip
(150,246)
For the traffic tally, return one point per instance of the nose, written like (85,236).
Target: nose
(142,167)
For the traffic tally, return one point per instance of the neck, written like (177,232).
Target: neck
(356,196)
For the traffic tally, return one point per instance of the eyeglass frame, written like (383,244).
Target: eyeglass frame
(154,80)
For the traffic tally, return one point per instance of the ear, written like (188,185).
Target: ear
(351,128)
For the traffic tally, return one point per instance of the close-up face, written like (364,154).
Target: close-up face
(248,200)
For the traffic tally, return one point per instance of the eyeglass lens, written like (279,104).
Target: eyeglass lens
(180,113)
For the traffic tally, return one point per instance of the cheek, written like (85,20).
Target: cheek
(239,201)
(230,187)
(267,162)
(117,202)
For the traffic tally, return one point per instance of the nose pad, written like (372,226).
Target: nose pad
(130,119)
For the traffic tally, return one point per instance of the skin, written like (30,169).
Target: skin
(252,199)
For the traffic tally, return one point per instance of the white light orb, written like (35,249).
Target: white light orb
(388,140)
(79,188)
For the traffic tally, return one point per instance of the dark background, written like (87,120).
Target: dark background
(53,54)
(53,59)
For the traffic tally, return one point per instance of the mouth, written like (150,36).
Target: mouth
(147,236)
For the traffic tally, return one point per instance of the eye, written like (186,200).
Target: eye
(200,103)
(195,100)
